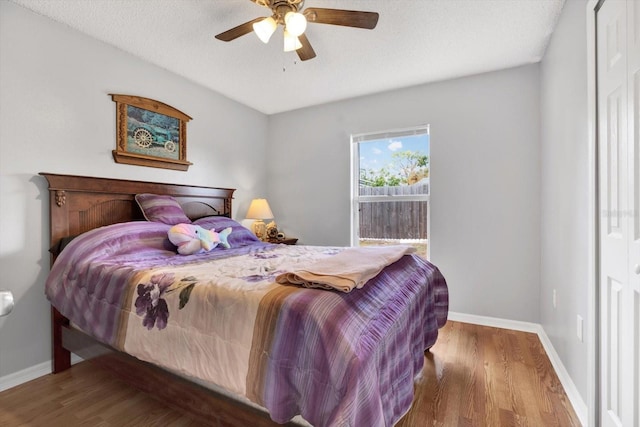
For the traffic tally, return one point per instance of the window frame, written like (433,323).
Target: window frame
(356,198)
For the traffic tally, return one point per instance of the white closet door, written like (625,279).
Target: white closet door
(618,78)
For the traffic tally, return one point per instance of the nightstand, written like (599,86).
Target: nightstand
(285,241)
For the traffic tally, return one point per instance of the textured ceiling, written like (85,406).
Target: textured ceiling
(416,41)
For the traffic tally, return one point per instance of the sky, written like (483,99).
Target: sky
(377,154)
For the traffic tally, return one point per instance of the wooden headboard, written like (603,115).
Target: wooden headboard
(80,203)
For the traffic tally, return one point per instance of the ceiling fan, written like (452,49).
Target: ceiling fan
(289,14)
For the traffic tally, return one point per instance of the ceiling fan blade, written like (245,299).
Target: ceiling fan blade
(306,52)
(238,31)
(347,18)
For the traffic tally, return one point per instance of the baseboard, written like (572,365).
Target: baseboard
(495,322)
(576,400)
(579,405)
(25,375)
(31,373)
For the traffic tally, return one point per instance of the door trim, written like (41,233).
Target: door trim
(593,298)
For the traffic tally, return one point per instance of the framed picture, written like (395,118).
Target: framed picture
(150,133)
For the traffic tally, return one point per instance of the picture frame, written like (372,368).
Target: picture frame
(150,133)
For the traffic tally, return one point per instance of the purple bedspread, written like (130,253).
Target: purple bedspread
(338,359)
(384,330)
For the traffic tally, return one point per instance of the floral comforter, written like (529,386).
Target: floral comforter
(344,359)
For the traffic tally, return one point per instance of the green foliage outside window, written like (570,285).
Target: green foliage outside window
(407,167)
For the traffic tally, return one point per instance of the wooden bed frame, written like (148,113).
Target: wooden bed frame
(78,204)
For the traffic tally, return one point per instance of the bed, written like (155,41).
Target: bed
(229,319)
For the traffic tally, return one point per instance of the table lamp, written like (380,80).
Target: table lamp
(259,210)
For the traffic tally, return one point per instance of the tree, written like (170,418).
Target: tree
(413,165)
(408,167)
(380,178)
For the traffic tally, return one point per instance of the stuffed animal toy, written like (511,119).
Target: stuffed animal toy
(192,239)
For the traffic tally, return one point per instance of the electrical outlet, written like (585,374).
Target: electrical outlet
(580,326)
(555,299)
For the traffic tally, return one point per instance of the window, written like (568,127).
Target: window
(390,188)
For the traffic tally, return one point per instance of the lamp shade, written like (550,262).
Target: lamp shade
(291,42)
(259,209)
(265,28)
(296,23)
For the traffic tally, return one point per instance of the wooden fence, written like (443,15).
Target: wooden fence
(394,219)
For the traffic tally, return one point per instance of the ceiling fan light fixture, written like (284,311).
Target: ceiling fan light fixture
(295,23)
(294,20)
(265,28)
(291,42)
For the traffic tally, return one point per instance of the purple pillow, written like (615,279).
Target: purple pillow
(164,209)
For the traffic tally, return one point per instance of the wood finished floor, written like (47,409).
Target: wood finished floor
(473,376)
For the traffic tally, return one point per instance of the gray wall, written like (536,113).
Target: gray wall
(565,190)
(485,177)
(509,194)
(56,116)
